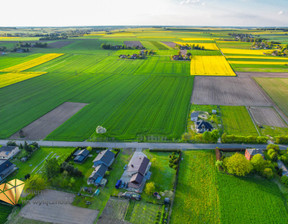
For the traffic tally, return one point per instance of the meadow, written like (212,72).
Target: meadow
(5,210)
(276,88)
(237,121)
(205,195)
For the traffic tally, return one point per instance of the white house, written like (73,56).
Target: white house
(194,116)
(7,152)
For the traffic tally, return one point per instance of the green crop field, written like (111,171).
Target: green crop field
(276,88)
(237,121)
(205,195)
(196,199)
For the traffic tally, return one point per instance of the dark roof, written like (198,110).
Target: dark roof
(99,171)
(137,178)
(4,164)
(83,152)
(7,148)
(202,123)
(105,156)
(194,114)
(253,152)
(138,164)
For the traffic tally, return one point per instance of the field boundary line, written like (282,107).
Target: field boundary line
(252,118)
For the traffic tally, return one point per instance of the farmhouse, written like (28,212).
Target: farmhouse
(80,155)
(194,116)
(97,175)
(283,168)
(249,153)
(137,172)
(202,126)
(7,152)
(105,157)
(6,168)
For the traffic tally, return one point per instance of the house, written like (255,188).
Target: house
(80,155)
(214,111)
(249,153)
(97,175)
(202,126)
(7,152)
(194,116)
(283,167)
(105,157)
(137,172)
(6,168)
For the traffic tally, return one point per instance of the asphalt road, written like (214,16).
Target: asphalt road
(143,145)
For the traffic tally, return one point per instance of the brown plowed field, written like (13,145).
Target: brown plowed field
(169,44)
(262,74)
(133,43)
(43,126)
(232,91)
(55,207)
(59,44)
(266,116)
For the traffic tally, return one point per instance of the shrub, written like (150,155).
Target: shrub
(150,188)
(238,165)
(281,139)
(268,173)
(284,180)
(258,163)
(219,164)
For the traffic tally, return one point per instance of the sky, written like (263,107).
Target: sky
(144,12)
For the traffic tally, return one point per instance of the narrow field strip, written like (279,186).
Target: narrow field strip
(11,78)
(32,63)
(207,46)
(258,62)
(244,51)
(210,65)
(256,57)
(197,38)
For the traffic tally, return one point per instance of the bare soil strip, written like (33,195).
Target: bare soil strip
(232,91)
(55,207)
(43,126)
(114,212)
(169,44)
(59,44)
(267,116)
(262,74)
(133,43)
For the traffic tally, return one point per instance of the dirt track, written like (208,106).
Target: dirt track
(40,128)
(169,44)
(266,116)
(55,207)
(228,91)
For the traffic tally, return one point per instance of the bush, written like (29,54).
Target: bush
(243,139)
(268,173)
(238,165)
(284,180)
(281,139)
(150,188)
(11,143)
(219,164)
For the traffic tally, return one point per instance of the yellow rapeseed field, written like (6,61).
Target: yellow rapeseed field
(210,65)
(7,38)
(244,51)
(257,57)
(11,78)
(207,46)
(258,62)
(32,63)
(197,38)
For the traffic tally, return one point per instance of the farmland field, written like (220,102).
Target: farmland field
(276,88)
(4,213)
(237,121)
(211,66)
(10,78)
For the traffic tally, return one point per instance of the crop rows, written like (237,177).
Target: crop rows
(30,64)
(159,46)
(11,78)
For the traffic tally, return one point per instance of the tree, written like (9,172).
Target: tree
(272,154)
(272,146)
(258,163)
(238,165)
(89,148)
(35,183)
(268,173)
(150,188)
(52,168)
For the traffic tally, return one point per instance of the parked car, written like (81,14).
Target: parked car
(118,184)
(125,167)
(131,195)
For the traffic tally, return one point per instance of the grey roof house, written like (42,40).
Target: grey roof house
(105,157)
(202,126)
(7,152)
(194,116)
(80,155)
(97,175)
(6,168)
(137,172)
(283,167)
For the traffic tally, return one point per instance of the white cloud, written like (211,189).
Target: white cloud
(281,12)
